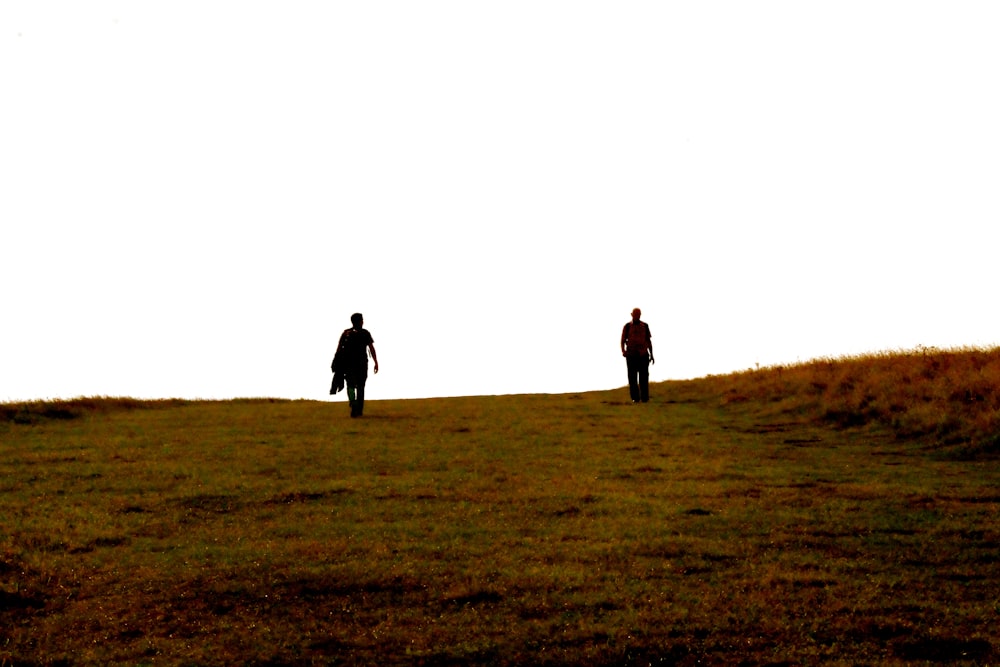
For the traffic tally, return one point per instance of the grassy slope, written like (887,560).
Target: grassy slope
(801,514)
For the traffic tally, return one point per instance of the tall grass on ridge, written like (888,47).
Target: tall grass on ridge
(948,399)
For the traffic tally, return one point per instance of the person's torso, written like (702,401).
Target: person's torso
(637,339)
(356,342)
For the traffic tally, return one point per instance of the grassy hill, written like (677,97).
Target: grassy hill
(841,511)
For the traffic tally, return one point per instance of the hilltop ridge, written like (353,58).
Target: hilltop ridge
(947,399)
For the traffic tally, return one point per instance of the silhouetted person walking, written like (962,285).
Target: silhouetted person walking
(637,348)
(350,363)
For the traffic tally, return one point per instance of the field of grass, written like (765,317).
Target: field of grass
(836,512)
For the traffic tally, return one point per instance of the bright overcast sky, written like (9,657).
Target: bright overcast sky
(196,195)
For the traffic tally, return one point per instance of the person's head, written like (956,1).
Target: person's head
(636,314)
(357,320)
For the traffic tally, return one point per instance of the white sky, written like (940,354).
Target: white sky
(196,195)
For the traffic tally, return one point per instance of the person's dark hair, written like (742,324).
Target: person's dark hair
(357,319)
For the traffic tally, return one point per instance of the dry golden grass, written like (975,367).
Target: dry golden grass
(947,399)
(788,516)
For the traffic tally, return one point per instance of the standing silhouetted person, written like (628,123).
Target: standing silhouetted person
(350,363)
(637,348)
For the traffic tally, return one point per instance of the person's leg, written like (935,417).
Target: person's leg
(351,378)
(633,379)
(359,401)
(644,380)
(352,395)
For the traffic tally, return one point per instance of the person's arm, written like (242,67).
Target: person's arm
(624,338)
(649,341)
(371,348)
